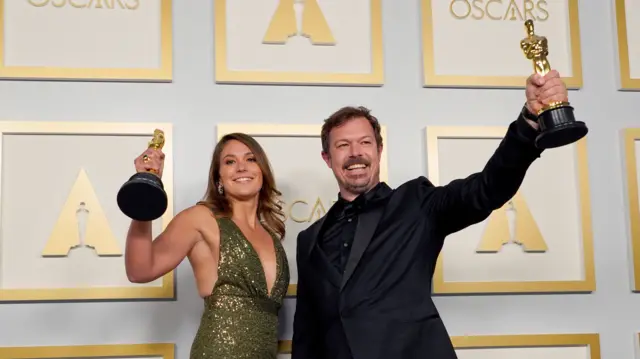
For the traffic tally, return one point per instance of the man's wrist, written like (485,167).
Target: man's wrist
(528,115)
(524,126)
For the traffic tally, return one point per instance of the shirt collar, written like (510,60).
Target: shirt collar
(361,200)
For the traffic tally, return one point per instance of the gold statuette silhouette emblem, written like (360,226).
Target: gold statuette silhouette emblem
(283,23)
(512,223)
(68,232)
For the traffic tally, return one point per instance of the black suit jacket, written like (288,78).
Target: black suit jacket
(381,307)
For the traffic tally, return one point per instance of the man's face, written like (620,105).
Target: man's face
(354,157)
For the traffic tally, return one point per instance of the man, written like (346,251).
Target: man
(365,269)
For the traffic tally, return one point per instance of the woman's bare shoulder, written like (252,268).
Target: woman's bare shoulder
(205,219)
(202,216)
(195,215)
(198,209)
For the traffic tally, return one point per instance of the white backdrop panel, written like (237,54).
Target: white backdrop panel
(482,38)
(632,11)
(552,179)
(349,22)
(82,33)
(34,193)
(525,353)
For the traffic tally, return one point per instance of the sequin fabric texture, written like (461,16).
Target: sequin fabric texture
(240,318)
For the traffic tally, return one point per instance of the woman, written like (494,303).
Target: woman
(232,240)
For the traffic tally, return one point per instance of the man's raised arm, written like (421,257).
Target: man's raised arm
(467,201)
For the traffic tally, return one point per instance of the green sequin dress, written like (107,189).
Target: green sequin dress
(240,318)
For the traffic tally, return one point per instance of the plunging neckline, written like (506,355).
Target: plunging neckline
(262,268)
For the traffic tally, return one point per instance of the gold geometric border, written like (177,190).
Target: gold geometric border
(433,135)
(626,82)
(431,79)
(164,350)
(511,341)
(284,346)
(226,75)
(162,74)
(296,130)
(529,341)
(631,135)
(166,291)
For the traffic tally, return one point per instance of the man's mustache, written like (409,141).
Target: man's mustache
(356,161)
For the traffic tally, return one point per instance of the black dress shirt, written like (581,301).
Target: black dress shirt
(340,228)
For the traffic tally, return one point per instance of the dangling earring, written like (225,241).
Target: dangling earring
(220,189)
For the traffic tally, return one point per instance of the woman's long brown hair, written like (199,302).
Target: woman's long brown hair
(269,209)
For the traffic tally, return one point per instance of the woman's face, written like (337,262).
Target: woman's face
(240,174)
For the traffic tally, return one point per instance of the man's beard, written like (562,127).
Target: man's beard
(356,185)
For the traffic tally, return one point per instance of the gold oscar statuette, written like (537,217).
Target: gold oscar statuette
(558,126)
(143,197)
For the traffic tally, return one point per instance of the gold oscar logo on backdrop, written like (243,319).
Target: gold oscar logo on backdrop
(284,23)
(511,10)
(82,224)
(310,213)
(88,4)
(512,223)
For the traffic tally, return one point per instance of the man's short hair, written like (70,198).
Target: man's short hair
(346,114)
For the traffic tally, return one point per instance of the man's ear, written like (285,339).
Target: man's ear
(380,149)
(326,158)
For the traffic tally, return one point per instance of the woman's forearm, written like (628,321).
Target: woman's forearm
(139,252)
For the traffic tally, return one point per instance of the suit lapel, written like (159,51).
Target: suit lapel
(367,224)
(317,257)
(320,261)
(315,233)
